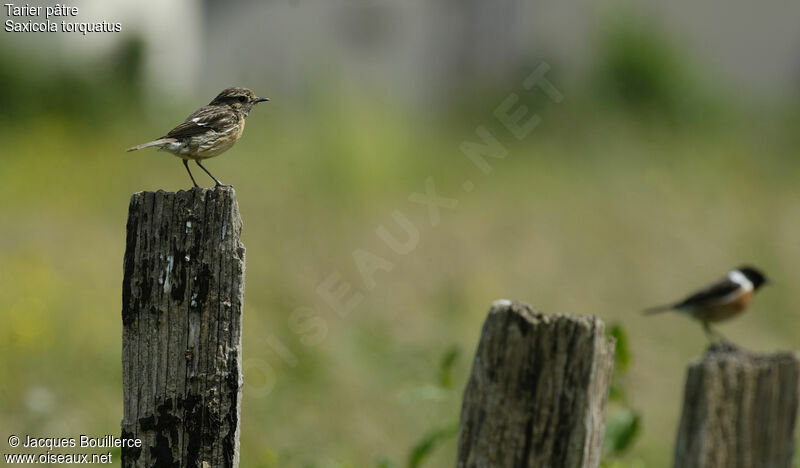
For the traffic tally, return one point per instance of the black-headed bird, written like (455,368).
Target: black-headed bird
(724,299)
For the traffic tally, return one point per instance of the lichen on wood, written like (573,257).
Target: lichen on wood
(182,294)
(538,391)
(739,410)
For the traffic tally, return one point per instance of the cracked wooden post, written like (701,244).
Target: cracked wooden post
(182,297)
(739,410)
(538,391)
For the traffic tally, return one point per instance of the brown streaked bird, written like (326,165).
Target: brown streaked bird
(210,130)
(724,299)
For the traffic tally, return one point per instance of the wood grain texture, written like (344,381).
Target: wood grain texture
(538,391)
(739,410)
(182,297)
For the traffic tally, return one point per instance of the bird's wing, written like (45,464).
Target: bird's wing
(714,293)
(202,120)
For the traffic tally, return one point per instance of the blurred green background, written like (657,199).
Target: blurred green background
(657,173)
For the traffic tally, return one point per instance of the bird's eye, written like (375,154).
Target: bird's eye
(242,99)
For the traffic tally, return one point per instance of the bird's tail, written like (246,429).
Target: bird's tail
(659,309)
(159,142)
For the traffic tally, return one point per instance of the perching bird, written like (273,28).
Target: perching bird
(210,130)
(721,300)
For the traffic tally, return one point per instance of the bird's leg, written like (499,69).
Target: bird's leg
(710,334)
(186,165)
(718,338)
(219,184)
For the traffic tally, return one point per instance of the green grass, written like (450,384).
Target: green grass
(594,213)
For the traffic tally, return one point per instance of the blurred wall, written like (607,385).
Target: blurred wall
(418,49)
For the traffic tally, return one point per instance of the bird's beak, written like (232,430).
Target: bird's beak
(261,99)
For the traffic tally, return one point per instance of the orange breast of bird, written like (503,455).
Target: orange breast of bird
(724,309)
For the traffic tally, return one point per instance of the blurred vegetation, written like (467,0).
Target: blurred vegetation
(623,424)
(423,448)
(94,93)
(643,184)
(642,71)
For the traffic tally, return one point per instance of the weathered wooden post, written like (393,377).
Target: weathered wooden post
(182,297)
(739,410)
(538,390)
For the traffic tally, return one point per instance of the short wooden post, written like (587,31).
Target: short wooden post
(739,410)
(538,391)
(182,296)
